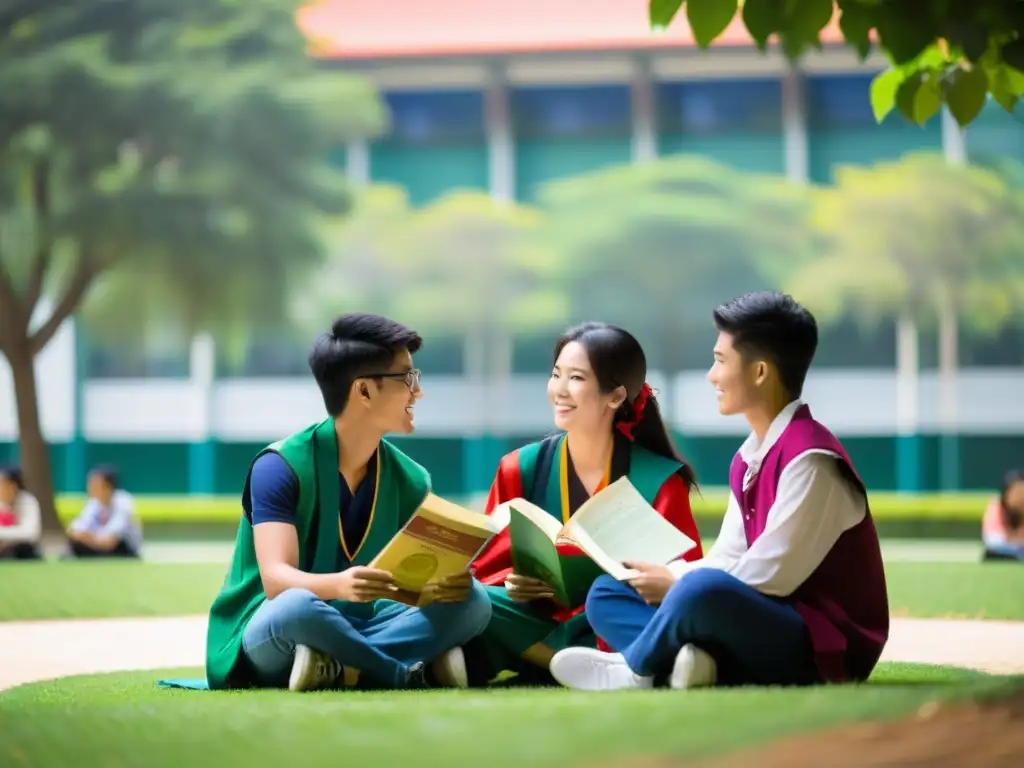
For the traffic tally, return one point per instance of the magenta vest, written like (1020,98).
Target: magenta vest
(844,602)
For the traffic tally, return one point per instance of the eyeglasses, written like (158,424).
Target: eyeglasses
(410,377)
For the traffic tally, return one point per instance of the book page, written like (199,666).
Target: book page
(618,524)
(534,553)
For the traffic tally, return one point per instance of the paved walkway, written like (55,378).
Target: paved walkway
(44,650)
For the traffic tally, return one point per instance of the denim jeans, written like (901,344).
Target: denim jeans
(381,640)
(754,639)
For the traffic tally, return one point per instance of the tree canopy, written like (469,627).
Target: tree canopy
(953,52)
(171,154)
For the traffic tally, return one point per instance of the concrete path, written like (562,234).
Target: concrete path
(44,650)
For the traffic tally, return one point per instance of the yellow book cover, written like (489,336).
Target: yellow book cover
(441,539)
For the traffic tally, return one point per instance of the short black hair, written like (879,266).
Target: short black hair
(357,345)
(13,473)
(108,473)
(773,326)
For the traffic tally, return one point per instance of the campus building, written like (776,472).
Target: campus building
(504,97)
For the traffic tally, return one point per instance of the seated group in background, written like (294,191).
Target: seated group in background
(20,522)
(106,526)
(1002,529)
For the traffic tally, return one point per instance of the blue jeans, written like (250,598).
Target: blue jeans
(754,639)
(382,641)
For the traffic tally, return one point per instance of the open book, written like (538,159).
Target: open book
(439,540)
(614,525)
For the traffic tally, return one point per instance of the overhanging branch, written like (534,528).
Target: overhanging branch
(79,283)
(44,251)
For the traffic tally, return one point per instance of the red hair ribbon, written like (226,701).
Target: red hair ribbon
(639,404)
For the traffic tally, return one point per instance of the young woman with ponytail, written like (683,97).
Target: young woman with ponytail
(609,426)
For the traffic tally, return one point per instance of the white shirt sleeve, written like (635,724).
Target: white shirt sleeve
(729,546)
(814,505)
(122,516)
(86,519)
(29,526)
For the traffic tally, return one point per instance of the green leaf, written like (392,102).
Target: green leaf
(883,92)
(919,97)
(661,12)
(966,91)
(856,21)
(1001,86)
(763,18)
(808,17)
(709,18)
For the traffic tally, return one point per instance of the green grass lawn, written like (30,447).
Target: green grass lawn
(76,589)
(123,719)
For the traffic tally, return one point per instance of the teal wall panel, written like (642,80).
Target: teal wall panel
(429,172)
(163,468)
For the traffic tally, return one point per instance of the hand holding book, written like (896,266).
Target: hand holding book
(652,582)
(524,589)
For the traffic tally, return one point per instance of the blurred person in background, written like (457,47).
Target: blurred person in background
(793,592)
(106,526)
(20,520)
(610,426)
(1003,525)
(300,608)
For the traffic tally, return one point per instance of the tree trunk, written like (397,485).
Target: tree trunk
(33,449)
(949,440)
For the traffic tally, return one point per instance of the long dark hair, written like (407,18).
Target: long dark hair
(13,473)
(618,360)
(1013,518)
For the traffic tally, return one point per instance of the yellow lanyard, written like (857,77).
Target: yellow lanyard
(563,478)
(369,524)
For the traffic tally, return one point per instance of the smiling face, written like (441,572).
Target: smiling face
(575,395)
(736,381)
(391,403)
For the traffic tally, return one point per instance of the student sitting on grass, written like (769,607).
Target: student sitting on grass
(20,521)
(793,590)
(106,526)
(610,426)
(299,608)
(1003,526)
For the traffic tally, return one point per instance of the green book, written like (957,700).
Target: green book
(613,526)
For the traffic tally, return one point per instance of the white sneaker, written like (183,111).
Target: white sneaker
(449,669)
(312,670)
(693,668)
(587,669)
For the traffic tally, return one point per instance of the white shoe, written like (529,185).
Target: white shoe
(449,669)
(312,670)
(693,668)
(587,669)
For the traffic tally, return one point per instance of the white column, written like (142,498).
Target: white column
(357,162)
(642,104)
(955,153)
(500,140)
(794,126)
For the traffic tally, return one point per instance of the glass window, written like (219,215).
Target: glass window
(715,106)
(438,117)
(583,111)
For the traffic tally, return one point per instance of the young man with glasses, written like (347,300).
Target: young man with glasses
(299,607)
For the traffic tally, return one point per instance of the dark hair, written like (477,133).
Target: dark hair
(357,346)
(108,473)
(1011,517)
(618,360)
(13,473)
(772,326)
